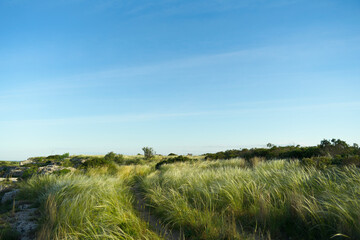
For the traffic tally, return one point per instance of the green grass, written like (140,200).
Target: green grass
(95,205)
(223,199)
(9,163)
(278,199)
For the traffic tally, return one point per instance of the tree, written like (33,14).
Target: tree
(110,156)
(325,143)
(270,145)
(148,152)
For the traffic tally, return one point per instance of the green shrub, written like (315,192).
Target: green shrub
(318,162)
(326,148)
(95,162)
(110,156)
(62,172)
(119,159)
(29,172)
(349,160)
(113,157)
(173,160)
(149,152)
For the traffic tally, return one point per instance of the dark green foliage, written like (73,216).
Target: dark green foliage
(90,162)
(8,163)
(338,151)
(29,172)
(172,154)
(148,152)
(132,161)
(67,163)
(110,156)
(57,159)
(7,233)
(95,162)
(347,160)
(62,172)
(318,162)
(272,153)
(113,157)
(173,160)
(4,171)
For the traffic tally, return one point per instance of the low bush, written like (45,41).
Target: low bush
(117,158)
(173,160)
(341,152)
(318,162)
(62,172)
(95,162)
(347,160)
(29,172)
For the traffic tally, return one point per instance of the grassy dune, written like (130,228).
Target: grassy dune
(277,199)
(96,205)
(223,199)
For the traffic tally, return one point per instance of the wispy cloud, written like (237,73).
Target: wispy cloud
(123,74)
(108,119)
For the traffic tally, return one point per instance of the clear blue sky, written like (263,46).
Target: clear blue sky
(180,76)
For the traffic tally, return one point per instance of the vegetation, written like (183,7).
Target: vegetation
(277,199)
(92,206)
(111,156)
(173,160)
(148,152)
(338,151)
(29,172)
(50,159)
(312,193)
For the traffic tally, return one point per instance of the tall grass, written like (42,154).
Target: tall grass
(279,199)
(95,205)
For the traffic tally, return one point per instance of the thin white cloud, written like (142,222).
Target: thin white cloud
(108,119)
(123,74)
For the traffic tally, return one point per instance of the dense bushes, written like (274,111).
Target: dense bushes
(172,160)
(318,162)
(108,159)
(338,151)
(113,157)
(95,162)
(29,172)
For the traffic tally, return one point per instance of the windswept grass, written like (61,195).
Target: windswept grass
(279,199)
(97,205)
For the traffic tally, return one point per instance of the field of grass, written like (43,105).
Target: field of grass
(276,199)
(95,205)
(212,199)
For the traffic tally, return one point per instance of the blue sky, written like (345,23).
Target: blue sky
(180,76)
